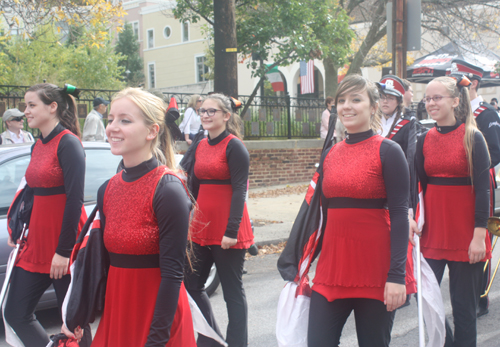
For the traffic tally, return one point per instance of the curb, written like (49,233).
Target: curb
(271,242)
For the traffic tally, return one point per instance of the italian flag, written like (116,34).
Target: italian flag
(274,77)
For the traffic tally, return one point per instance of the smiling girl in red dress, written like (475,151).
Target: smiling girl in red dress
(365,192)
(144,212)
(453,167)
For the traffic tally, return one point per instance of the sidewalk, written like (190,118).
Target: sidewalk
(273,210)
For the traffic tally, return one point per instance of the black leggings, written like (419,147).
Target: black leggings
(465,289)
(229,263)
(327,319)
(26,289)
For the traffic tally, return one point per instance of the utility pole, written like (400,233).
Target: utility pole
(225,51)
(399,42)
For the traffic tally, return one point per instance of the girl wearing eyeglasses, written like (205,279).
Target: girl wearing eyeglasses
(453,168)
(221,228)
(402,130)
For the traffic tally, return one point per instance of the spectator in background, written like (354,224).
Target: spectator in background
(408,99)
(191,122)
(14,122)
(325,117)
(94,129)
(494,103)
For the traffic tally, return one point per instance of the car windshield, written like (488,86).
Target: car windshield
(100,166)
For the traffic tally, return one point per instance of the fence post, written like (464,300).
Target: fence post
(288,114)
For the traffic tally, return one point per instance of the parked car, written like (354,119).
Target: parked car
(101,165)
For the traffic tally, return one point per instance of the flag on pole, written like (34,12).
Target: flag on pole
(274,76)
(306,77)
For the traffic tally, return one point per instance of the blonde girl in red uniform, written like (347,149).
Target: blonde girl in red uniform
(144,214)
(222,230)
(453,164)
(365,192)
(57,174)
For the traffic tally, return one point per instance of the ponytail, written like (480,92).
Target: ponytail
(66,106)
(399,113)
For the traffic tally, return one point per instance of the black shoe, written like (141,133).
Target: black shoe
(244,271)
(253,250)
(482,311)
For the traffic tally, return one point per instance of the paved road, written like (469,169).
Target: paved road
(263,284)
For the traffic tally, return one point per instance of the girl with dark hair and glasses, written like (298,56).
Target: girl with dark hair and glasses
(453,167)
(221,228)
(56,173)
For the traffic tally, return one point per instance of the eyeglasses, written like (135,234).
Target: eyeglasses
(387,98)
(436,98)
(210,112)
(17,119)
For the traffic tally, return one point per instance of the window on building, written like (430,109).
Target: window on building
(185,31)
(201,69)
(135,27)
(151,38)
(167,31)
(151,70)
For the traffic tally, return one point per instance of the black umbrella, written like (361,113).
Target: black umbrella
(438,63)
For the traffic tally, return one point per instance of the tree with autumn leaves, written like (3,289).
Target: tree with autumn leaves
(60,42)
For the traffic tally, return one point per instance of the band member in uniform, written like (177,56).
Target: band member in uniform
(401,128)
(488,122)
(56,173)
(453,168)
(365,192)
(221,228)
(144,214)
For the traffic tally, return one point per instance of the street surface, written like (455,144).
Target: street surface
(263,285)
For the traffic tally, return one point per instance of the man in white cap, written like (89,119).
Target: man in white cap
(14,122)
(93,129)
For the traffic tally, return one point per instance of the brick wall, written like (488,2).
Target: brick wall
(282,166)
(279,162)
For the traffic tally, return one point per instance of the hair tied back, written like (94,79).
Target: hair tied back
(71,90)
(235,104)
(462,81)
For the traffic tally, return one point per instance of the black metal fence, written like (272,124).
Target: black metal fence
(267,117)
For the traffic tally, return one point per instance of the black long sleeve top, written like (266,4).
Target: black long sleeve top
(171,206)
(238,161)
(481,165)
(71,156)
(488,123)
(397,184)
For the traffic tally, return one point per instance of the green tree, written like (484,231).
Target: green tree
(129,47)
(281,31)
(45,58)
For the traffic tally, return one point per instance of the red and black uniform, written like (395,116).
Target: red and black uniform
(365,198)
(57,174)
(145,218)
(453,208)
(220,185)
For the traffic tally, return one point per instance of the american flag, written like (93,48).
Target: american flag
(307,77)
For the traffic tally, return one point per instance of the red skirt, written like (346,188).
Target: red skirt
(411,282)
(43,235)
(355,256)
(129,306)
(449,223)
(212,215)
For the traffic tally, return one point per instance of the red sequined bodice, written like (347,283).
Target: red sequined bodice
(211,161)
(44,170)
(445,153)
(131,225)
(354,170)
